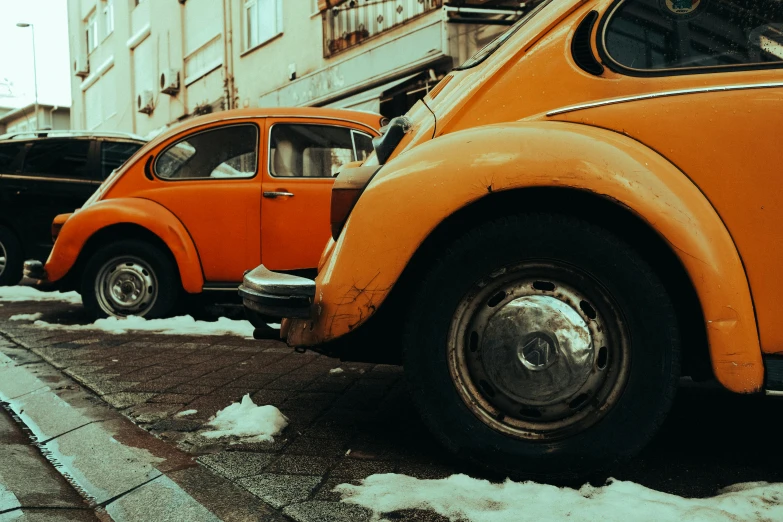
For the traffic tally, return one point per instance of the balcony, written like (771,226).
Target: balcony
(354,22)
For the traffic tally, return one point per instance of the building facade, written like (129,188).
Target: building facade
(142,65)
(23,119)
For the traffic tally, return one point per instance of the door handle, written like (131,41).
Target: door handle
(274,195)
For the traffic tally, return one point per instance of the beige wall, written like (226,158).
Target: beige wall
(158,35)
(24,119)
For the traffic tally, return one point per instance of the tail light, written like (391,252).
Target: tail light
(348,187)
(57,225)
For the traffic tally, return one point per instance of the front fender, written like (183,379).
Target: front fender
(85,223)
(418,190)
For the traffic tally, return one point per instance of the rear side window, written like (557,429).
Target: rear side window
(62,158)
(315,151)
(227,152)
(9,153)
(113,155)
(661,35)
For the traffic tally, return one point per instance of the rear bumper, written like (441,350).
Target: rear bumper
(275,295)
(34,270)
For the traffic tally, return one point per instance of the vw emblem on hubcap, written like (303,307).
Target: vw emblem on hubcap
(538,351)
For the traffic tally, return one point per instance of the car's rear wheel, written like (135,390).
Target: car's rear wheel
(10,258)
(550,351)
(130,278)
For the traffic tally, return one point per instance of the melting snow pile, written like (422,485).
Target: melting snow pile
(26,317)
(247,421)
(186,413)
(184,325)
(460,497)
(16,294)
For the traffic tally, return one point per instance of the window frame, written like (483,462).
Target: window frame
(187,135)
(107,15)
(92,21)
(619,68)
(246,44)
(269,146)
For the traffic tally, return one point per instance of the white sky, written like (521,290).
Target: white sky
(50,18)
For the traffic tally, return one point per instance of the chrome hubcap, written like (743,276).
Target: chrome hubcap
(3,256)
(538,351)
(126,286)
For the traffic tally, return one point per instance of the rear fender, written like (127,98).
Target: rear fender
(85,223)
(437,178)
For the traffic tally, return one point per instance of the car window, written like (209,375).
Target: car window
(9,153)
(314,151)
(62,158)
(113,155)
(227,152)
(685,34)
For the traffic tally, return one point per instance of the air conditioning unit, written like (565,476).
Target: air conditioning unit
(145,102)
(81,66)
(169,82)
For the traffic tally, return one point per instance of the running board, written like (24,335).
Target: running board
(773,364)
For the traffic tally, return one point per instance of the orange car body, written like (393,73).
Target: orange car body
(695,156)
(215,228)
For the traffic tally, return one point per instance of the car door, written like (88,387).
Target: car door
(303,159)
(208,179)
(57,176)
(724,132)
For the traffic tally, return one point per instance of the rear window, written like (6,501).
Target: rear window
(9,152)
(113,155)
(661,35)
(62,158)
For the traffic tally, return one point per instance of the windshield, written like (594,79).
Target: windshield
(495,44)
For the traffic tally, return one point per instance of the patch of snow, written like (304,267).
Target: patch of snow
(336,370)
(16,294)
(186,413)
(26,317)
(247,421)
(184,325)
(460,497)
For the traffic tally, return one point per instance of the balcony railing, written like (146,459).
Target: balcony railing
(351,23)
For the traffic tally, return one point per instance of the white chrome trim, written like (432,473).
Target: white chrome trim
(663,94)
(44,178)
(774,393)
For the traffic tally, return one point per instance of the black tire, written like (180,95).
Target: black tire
(650,340)
(13,258)
(142,258)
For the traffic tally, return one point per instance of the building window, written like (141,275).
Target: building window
(314,8)
(107,12)
(263,21)
(91,32)
(203,38)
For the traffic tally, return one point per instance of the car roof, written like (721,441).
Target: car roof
(369,119)
(43,134)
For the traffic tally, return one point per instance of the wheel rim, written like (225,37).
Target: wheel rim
(539,351)
(126,286)
(3,258)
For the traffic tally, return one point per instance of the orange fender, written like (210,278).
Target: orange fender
(85,223)
(416,191)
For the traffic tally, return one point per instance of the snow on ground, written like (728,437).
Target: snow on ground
(15,294)
(460,497)
(184,325)
(186,413)
(26,317)
(336,370)
(247,421)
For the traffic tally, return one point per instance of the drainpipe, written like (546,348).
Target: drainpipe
(228,55)
(51,115)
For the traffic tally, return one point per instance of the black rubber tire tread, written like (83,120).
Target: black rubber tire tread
(169,284)
(14,258)
(654,346)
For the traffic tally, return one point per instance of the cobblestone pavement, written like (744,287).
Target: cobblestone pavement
(346,425)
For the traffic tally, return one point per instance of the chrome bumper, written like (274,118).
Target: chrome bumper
(276,295)
(34,270)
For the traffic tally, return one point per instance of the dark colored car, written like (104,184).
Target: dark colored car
(44,174)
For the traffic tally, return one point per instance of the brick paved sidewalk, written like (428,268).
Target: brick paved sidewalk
(344,424)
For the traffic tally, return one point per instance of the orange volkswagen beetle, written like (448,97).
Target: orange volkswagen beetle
(588,209)
(198,206)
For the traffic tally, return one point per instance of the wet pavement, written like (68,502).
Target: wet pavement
(348,424)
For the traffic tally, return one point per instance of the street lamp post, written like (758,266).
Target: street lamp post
(35,72)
